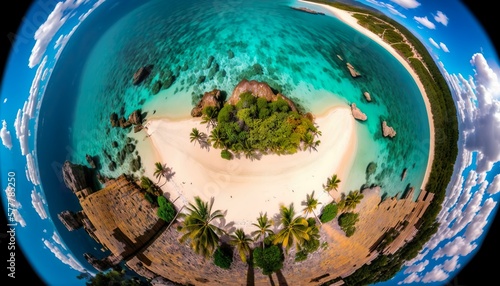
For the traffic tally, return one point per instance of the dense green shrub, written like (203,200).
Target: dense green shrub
(225,154)
(329,212)
(256,125)
(223,257)
(269,259)
(150,198)
(166,210)
(347,222)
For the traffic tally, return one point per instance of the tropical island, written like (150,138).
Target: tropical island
(254,121)
(199,222)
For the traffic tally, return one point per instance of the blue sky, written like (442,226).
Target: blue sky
(41,37)
(452,35)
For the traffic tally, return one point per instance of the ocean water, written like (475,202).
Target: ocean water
(300,54)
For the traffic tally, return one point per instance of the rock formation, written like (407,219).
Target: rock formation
(258,89)
(387,130)
(74,176)
(352,70)
(135,117)
(357,113)
(70,220)
(367,96)
(90,160)
(211,98)
(141,74)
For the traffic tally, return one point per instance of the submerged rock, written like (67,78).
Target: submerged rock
(209,62)
(230,54)
(141,74)
(90,160)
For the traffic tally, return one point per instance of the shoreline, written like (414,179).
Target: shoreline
(243,188)
(346,17)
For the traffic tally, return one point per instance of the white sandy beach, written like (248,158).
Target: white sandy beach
(346,17)
(243,187)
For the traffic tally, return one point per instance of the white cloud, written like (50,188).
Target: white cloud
(444,47)
(435,275)
(457,246)
(64,258)
(84,16)
(412,278)
(451,264)
(482,128)
(425,22)
(5,135)
(440,17)
(419,267)
(38,204)
(57,239)
(18,217)
(46,32)
(389,7)
(407,4)
(476,228)
(21,123)
(494,187)
(32,170)
(431,40)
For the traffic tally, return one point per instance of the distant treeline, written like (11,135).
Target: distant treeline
(443,108)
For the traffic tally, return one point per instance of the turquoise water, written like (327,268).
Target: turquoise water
(295,52)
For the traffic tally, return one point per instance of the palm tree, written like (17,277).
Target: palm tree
(149,186)
(161,170)
(197,136)
(353,199)
(209,116)
(242,243)
(332,183)
(198,227)
(215,138)
(295,229)
(310,143)
(311,204)
(264,227)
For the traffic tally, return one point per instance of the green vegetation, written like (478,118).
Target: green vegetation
(295,229)
(445,149)
(269,259)
(311,204)
(311,245)
(112,277)
(263,228)
(347,222)
(198,227)
(352,200)
(329,212)
(242,243)
(223,257)
(166,210)
(332,183)
(256,125)
(150,187)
